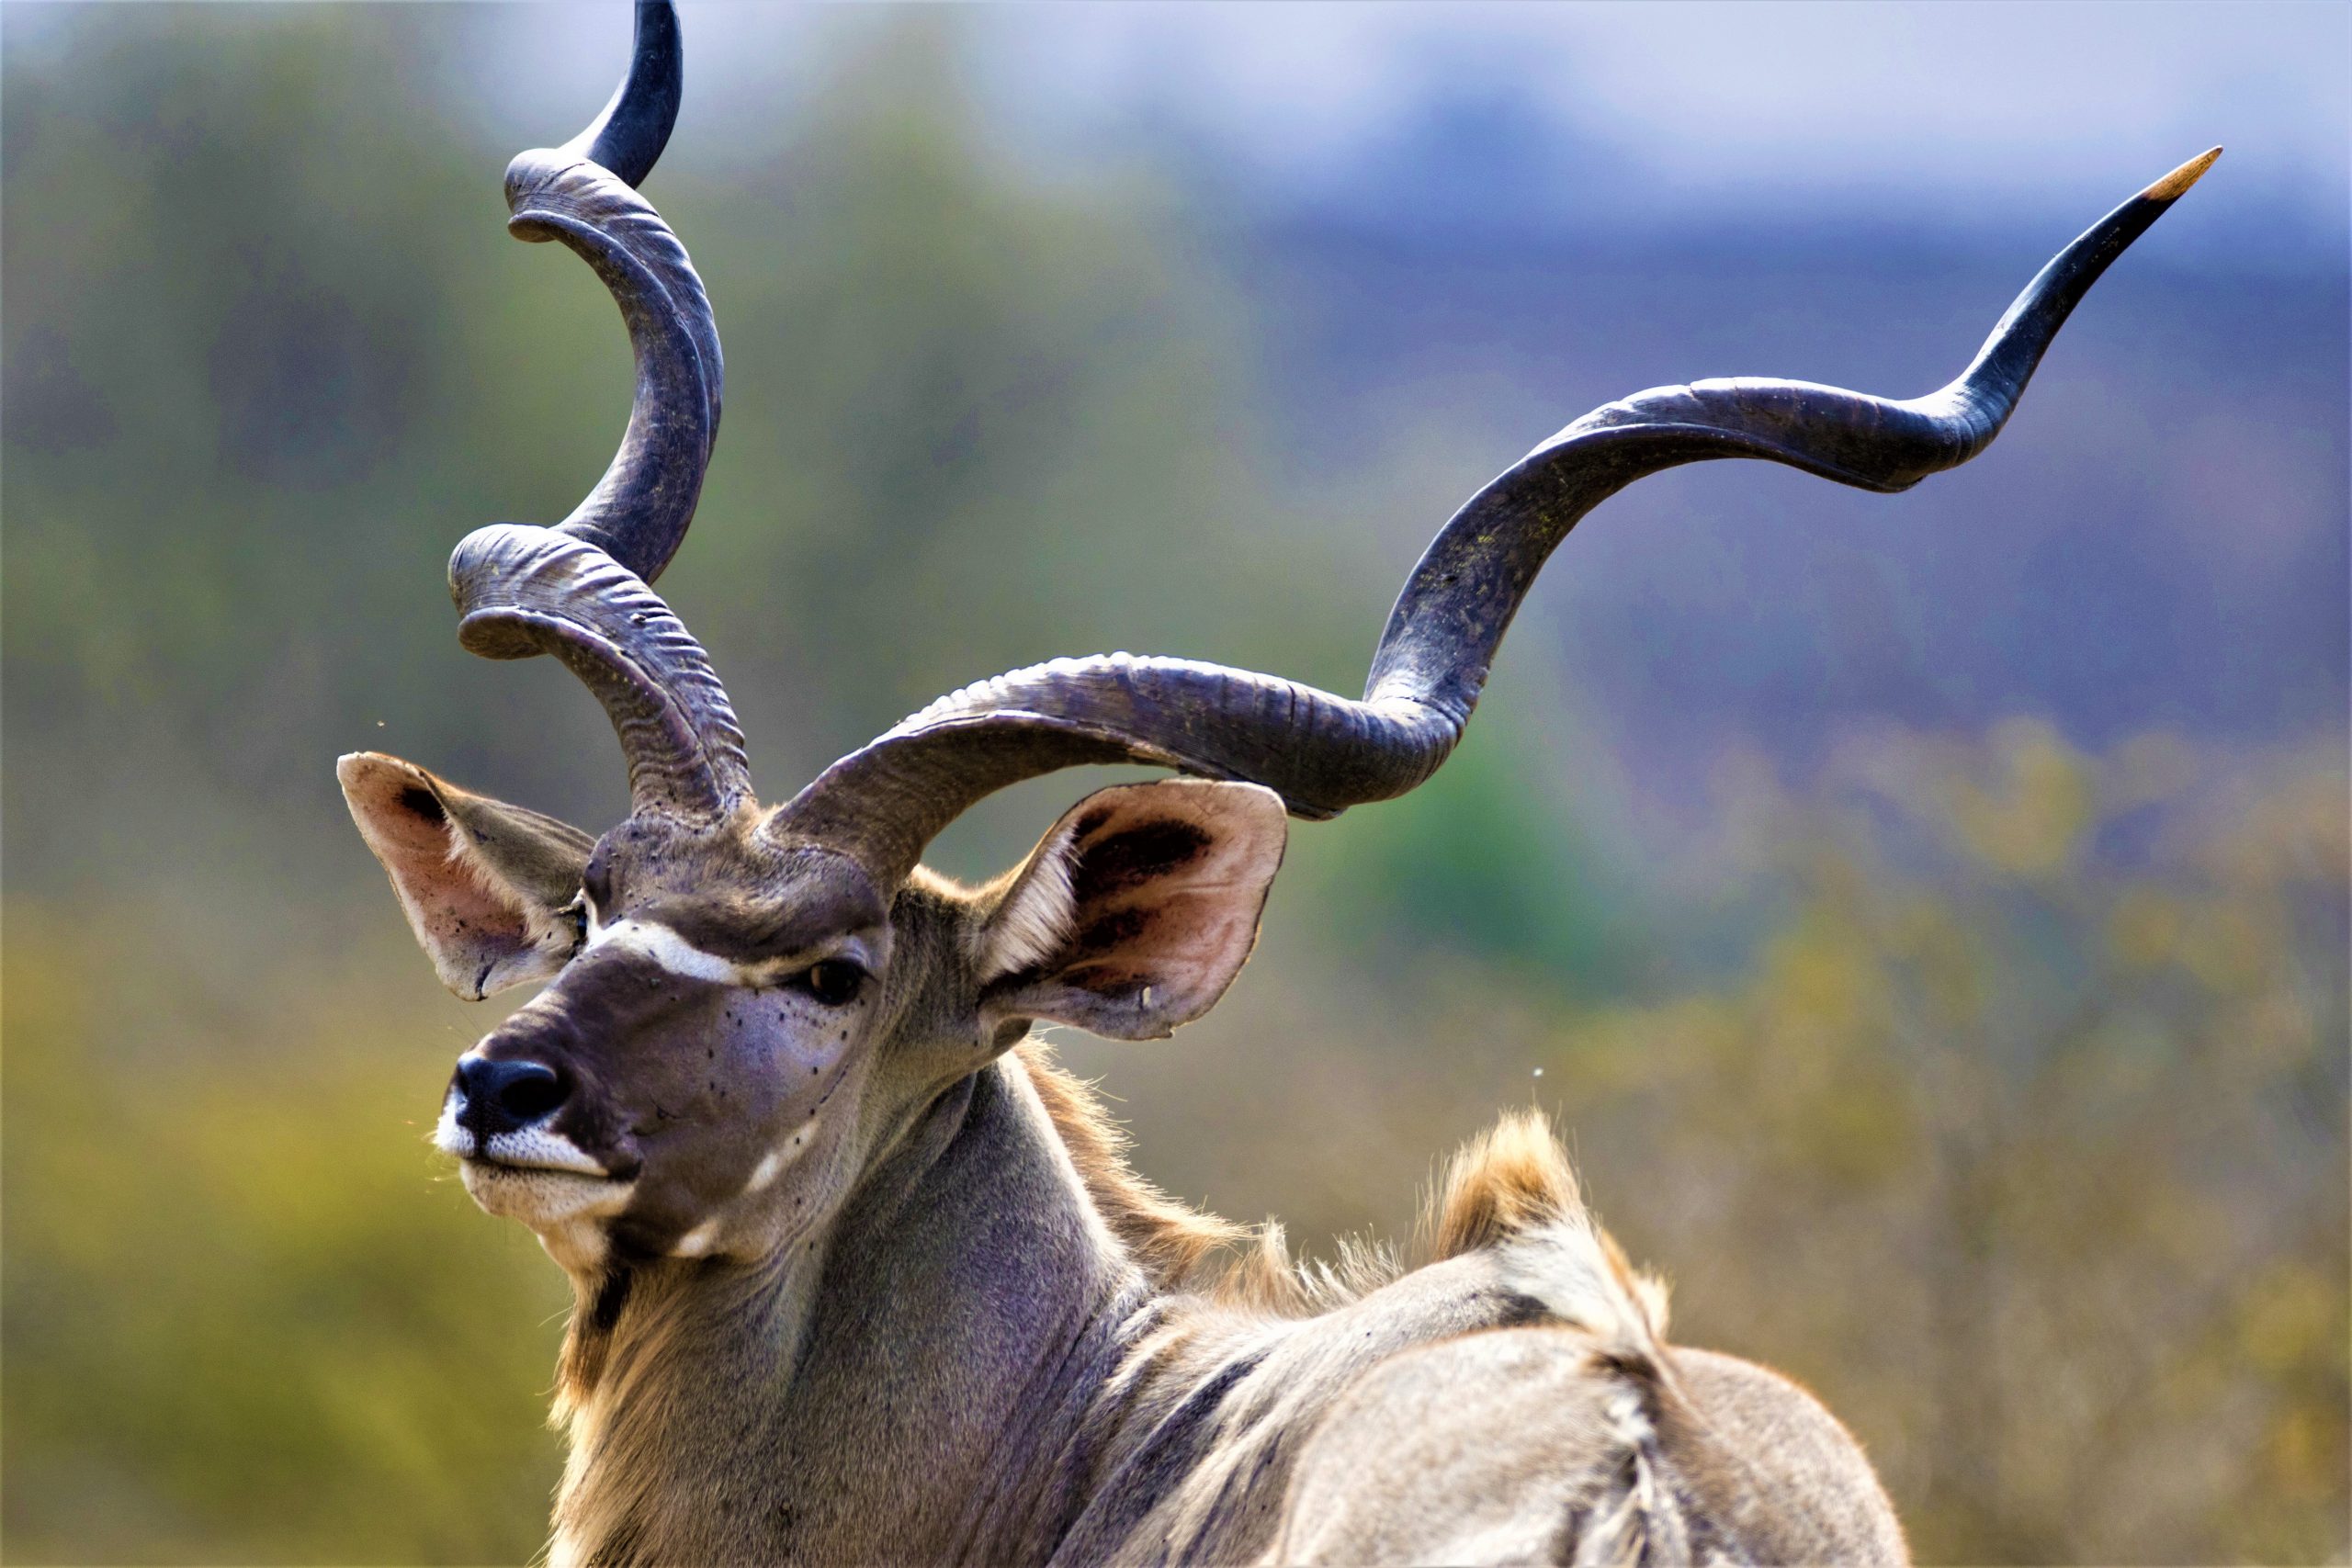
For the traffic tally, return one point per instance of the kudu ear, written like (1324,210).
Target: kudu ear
(1136,912)
(484,885)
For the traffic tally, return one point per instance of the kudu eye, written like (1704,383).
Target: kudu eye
(835,982)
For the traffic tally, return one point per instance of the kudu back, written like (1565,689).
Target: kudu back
(861,1276)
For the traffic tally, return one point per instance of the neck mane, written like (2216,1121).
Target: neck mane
(1178,1249)
(929,1365)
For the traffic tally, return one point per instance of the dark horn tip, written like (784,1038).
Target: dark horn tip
(628,137)
(2175,185)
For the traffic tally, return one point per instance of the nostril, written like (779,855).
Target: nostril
(503,1095)
(531,1094)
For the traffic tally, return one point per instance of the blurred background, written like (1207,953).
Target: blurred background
(1927,915)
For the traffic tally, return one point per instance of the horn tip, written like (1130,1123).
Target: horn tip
(2172,186)
(354,768)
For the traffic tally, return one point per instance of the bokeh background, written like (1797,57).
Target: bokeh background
(1927,915)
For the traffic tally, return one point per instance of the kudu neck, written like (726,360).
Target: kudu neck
(911,1387)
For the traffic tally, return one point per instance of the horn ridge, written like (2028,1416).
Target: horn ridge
(640,509)
(582,591)
(1324,752)
(522,590)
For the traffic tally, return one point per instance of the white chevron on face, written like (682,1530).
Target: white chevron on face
(659,944)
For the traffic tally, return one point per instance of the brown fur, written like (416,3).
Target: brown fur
(617,1410)
(1177,1248)
(1183,1250)
(1510,1180)
(597,1309)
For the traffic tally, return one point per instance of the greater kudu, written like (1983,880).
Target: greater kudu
(860,1275)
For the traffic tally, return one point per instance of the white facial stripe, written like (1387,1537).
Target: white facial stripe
(697,1242)
(654,940)
(675,953)
(769,1169)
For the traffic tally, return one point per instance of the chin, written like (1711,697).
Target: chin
(566,1209)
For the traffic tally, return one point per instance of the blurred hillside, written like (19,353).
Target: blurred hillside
(1928,915)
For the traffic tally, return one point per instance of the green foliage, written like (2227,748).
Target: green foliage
(249,1317)
(2027,1155)
(1482,865)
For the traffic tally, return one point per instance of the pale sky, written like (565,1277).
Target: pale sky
(1695,106)
(2047,112)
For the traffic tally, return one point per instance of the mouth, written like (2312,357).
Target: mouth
(506,1152)
(494,1166)
(482,1176)
(517,1148)
(530,1174)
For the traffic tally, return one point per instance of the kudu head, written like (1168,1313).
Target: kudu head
(744,1005)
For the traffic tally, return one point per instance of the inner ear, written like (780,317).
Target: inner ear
(484,885)
(1136,912)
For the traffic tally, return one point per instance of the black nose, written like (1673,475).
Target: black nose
(502,1097)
